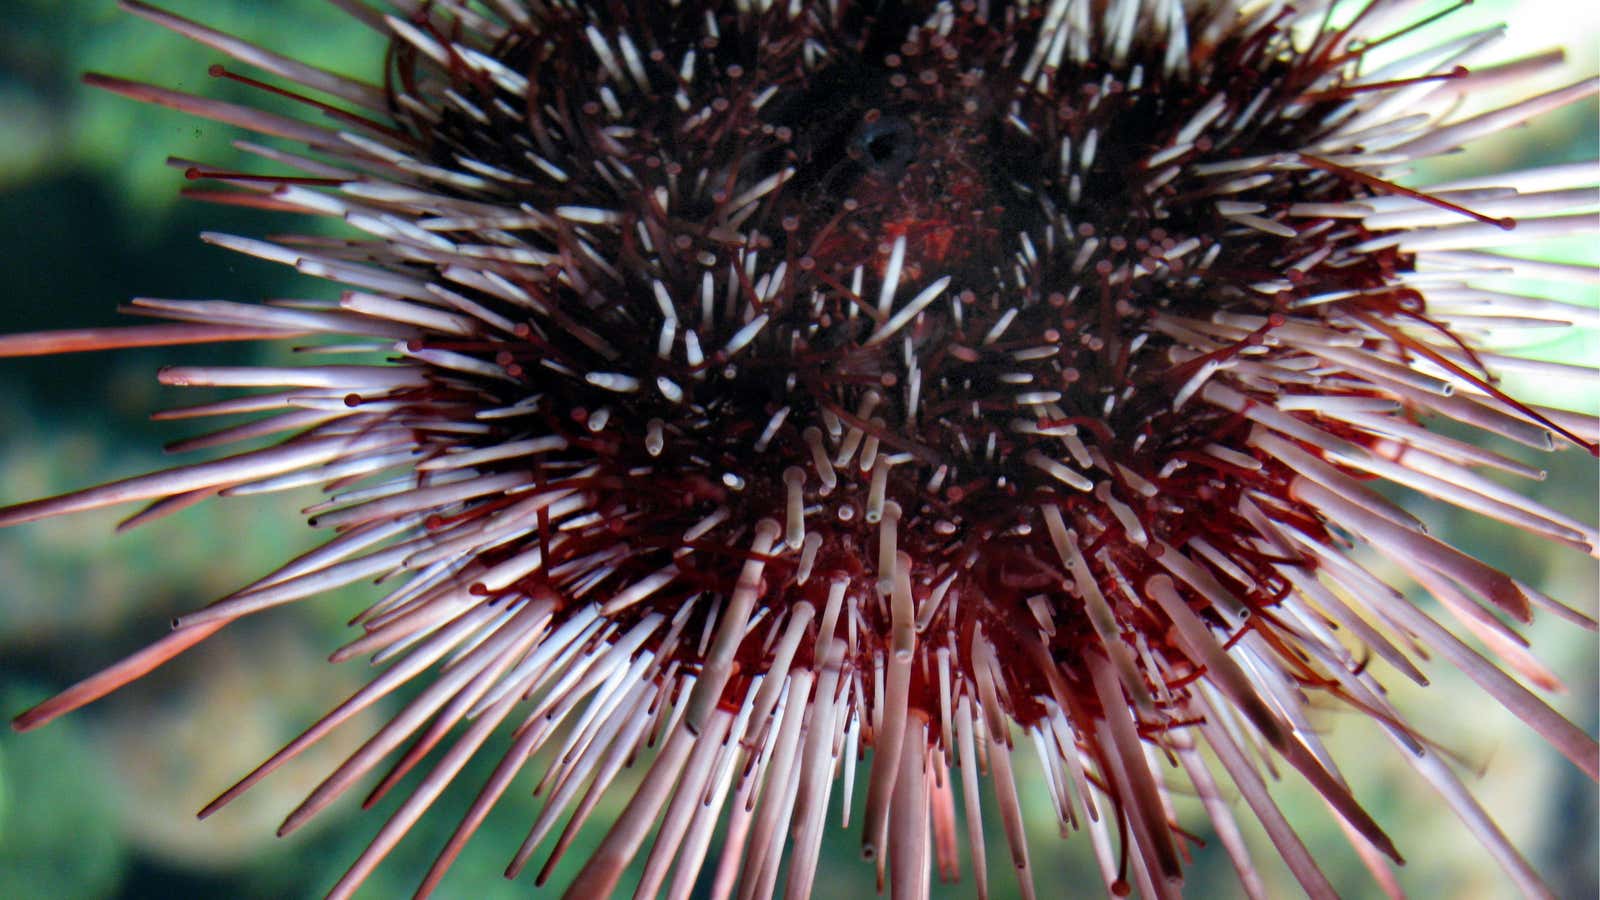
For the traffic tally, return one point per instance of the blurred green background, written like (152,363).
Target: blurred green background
(101,803)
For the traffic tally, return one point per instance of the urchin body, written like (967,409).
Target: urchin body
(783,386)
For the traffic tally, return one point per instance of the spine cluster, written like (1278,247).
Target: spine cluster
(781,396)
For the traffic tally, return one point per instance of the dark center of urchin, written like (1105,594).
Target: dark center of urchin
(883,264)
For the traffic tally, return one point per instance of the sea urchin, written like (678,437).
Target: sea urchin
(793,388)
